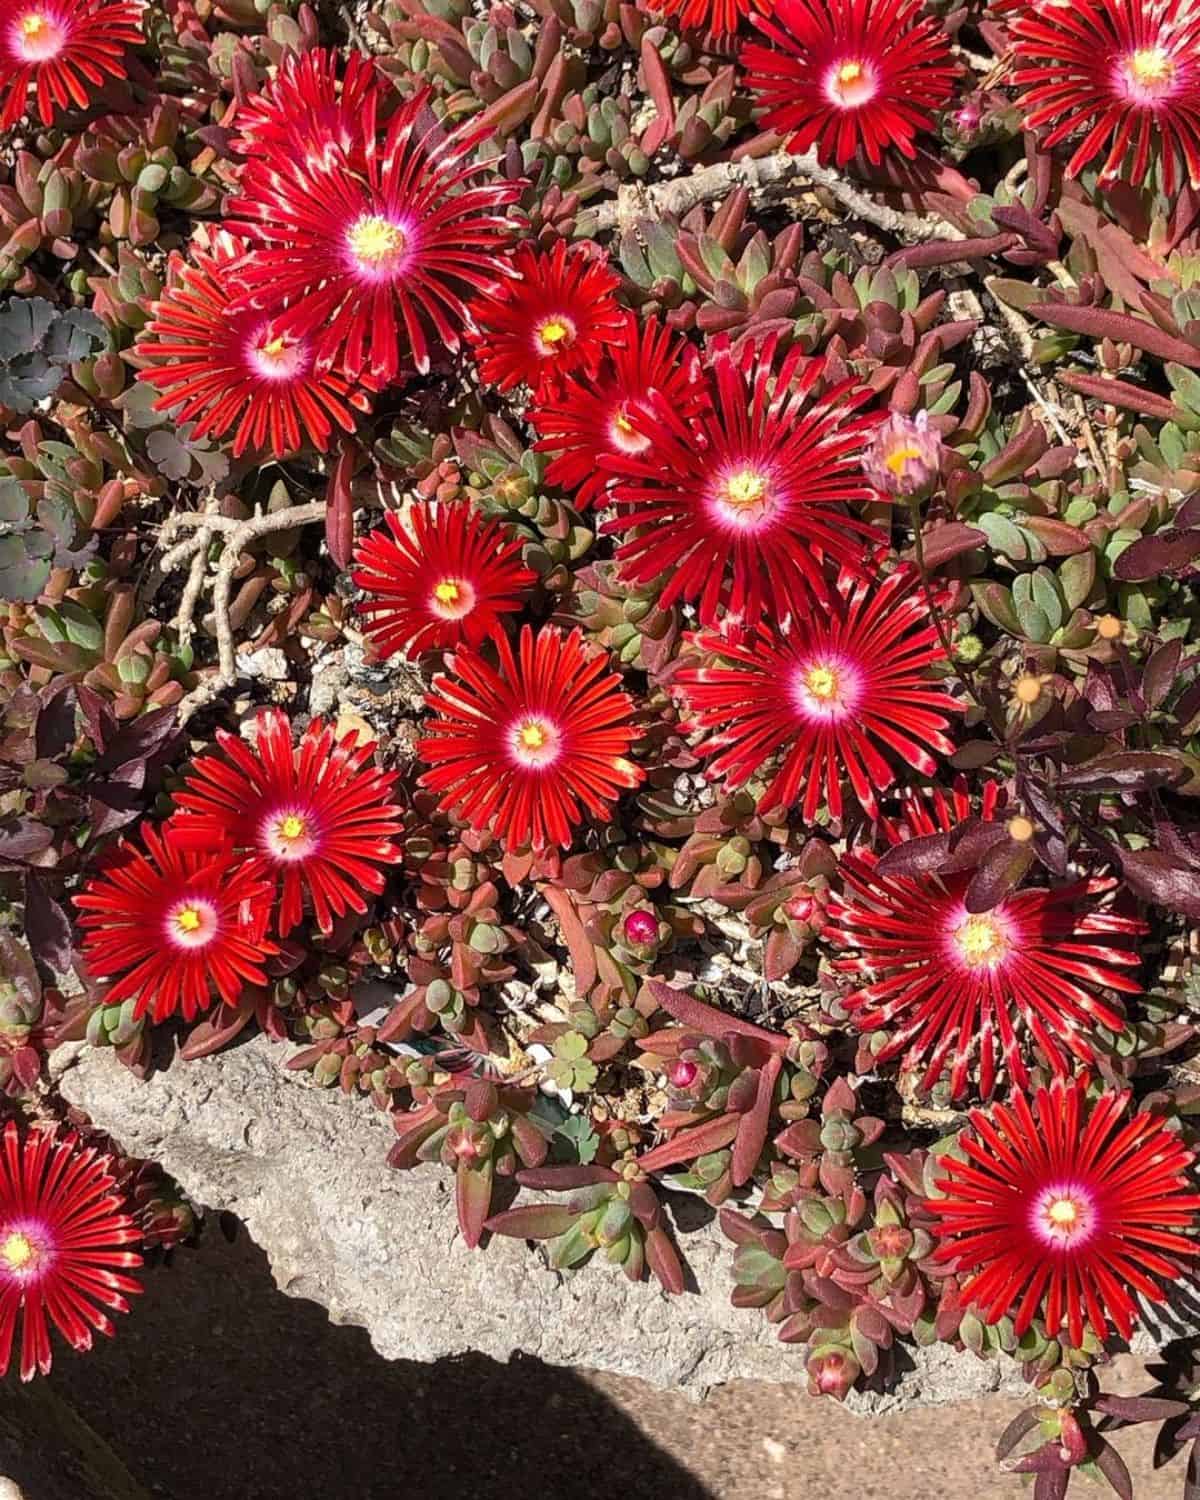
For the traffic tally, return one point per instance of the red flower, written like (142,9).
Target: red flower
(64,49)
(557,316)
(223,364)
(728,509)
(306,104)
(529,747)
(850,75)
(825,689)
(583,421)
(1032,969)
(320,817)
(370,250)
(716,17)
(1126,73)
(170,925)
(62,1226)
(1076,1209)
(445,575)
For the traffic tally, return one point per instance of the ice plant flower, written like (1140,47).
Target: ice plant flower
(64,1238)
(582,420)
(1067,1209)
(1123,74)
(442,576)
(825,691)
(318,819)
(372,248)
(63,50)
(904,457)
(557,315)
(845,76)
(531,745)
(170,925)
(308,105)
(729,508)
(227,366)
(954,987)
(715,17)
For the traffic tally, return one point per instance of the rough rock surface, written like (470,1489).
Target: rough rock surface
(305,1170)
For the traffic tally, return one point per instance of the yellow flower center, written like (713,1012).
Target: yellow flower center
(291,827)
(1109,627)
(17,1251)
(1027,690)
(553,332)
(622,423)
(898,458)
(447,592)
(980,942)
(188,920)
(849,72)
(374,239)
(1150,67)
(822,682)
(275,349)
(744,489)
(32,27)
(1020,829)
(1062,1213)
(532,736)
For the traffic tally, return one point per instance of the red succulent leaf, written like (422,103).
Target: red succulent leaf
(708,1020)
(473,1198)
(533,1221)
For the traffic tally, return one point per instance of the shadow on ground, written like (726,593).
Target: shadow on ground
(218,1387)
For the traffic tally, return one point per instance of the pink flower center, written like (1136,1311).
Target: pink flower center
(981,942)
(18,1253)
(825,687)
(744,496)
(452,599)
(850,84)
(376,244)
(191,923)
(623,435)
(288,834)
(683,1073)
(554,334)
(534,741)
(276,357)
(641,927)
(36,37)
(1145,76)
(1063,1215)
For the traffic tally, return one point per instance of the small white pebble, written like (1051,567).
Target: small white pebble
(775,1451)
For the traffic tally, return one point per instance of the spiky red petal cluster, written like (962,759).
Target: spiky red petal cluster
(728,509)
(585,421)
(1067,1207)
(224,364)
(170,925)
(825,690)
(528,747)
(850,75)
(62,49)
(444,575)
(957,985)
(1124,73)
(317,819)
(310,102)
(372,246)
(557,316)
(63,1226)
(716,17)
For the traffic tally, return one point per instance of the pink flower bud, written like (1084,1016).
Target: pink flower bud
(684,1073)
(641,927)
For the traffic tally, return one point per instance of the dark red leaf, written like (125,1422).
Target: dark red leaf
(1101,323)
(1157,878)
(663,1260)
(941,543)
(686,1145)
(1163,552)
(1000,870)
(339,518)
(473,1198)
(1112,1466)
(564,1179)
(1161,672)
(47,926)
(533,1221)
(707,1019)
(1123,771)
(752,1132)
(923,856)
(21,838)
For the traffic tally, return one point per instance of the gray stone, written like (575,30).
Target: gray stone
(305,1170)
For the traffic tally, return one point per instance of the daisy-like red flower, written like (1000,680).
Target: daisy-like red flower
(531,745)
(443,576)
(850,75)
(63,1233)
(825,690)
(307,103)
(1124,74)
(555,317)
(1067,1207)
(170,925)
(62,49)
(728,509)
(716,17)
(583,421)
(318,818)
(372,247)
(226,365)
(957,985)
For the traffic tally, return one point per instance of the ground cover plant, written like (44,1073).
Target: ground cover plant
(664,537)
